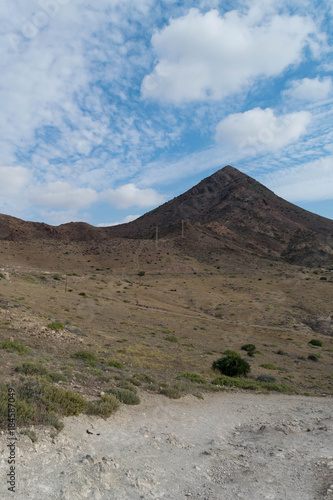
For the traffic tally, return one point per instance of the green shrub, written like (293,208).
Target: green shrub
(56,377)
(232,365)
(104,407)
(85,355)
(171,338)
(127,384)
(193,377)
(125,396)
(25,411)
(56,325)
(248,384)
(172,392)
(316,342)
(268,366)
(30,368)
(53,398)
(313,357)
(249,348)
(114,363)
(15,346)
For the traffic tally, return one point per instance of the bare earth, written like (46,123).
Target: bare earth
(230,445)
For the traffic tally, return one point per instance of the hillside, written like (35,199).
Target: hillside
(229,207)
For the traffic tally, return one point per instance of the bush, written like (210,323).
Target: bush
(232,365)
(114,363)
(103,407)
(316,342)
(55,325)
(127,384)
(125,396)
(252,385)
(313,357)
(268,366)
(15,346)
(249,348)
(194,377)
(30,368)
(25,411)
(171,338)
(172,392)
(85,355)
(52,398)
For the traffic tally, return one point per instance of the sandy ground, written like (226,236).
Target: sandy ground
(230,445)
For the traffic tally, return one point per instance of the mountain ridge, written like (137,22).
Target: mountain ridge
(228,205)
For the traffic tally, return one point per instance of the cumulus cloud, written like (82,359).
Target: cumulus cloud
(307,89)
(129,195)
(13,180)
(204,56)
(310,182)
(62,195)
(127,219)
(57,217)
(259,130)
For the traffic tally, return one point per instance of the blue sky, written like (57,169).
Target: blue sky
(108,109)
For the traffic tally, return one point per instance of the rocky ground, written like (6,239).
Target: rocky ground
(230,445)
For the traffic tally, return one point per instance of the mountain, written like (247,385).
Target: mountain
(246,216)
(229,207)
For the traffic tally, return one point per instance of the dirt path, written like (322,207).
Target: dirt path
(228,446)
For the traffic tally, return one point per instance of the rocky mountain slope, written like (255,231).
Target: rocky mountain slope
(229,207)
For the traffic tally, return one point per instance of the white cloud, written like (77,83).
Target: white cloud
(127,219)
(13,180)
(261,130)
(57,217)
(62,195)
(307,89)
(310,182)
(204,56)
(129,195)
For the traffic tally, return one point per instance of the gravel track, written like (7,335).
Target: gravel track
(230,445)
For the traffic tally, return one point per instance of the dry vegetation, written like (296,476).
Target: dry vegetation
(132,315)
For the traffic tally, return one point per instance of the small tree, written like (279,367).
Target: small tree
(232,365)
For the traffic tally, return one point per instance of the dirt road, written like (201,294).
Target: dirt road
(230,445)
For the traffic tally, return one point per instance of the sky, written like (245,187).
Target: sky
(111,108)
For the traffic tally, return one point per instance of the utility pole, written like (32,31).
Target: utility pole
(183,222)
(156,237)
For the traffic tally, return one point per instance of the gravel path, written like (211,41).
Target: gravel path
(230,445)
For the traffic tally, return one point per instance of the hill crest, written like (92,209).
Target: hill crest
(228,206)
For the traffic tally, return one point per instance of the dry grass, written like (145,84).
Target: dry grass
(207,307)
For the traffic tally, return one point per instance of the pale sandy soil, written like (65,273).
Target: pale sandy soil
(228,446)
